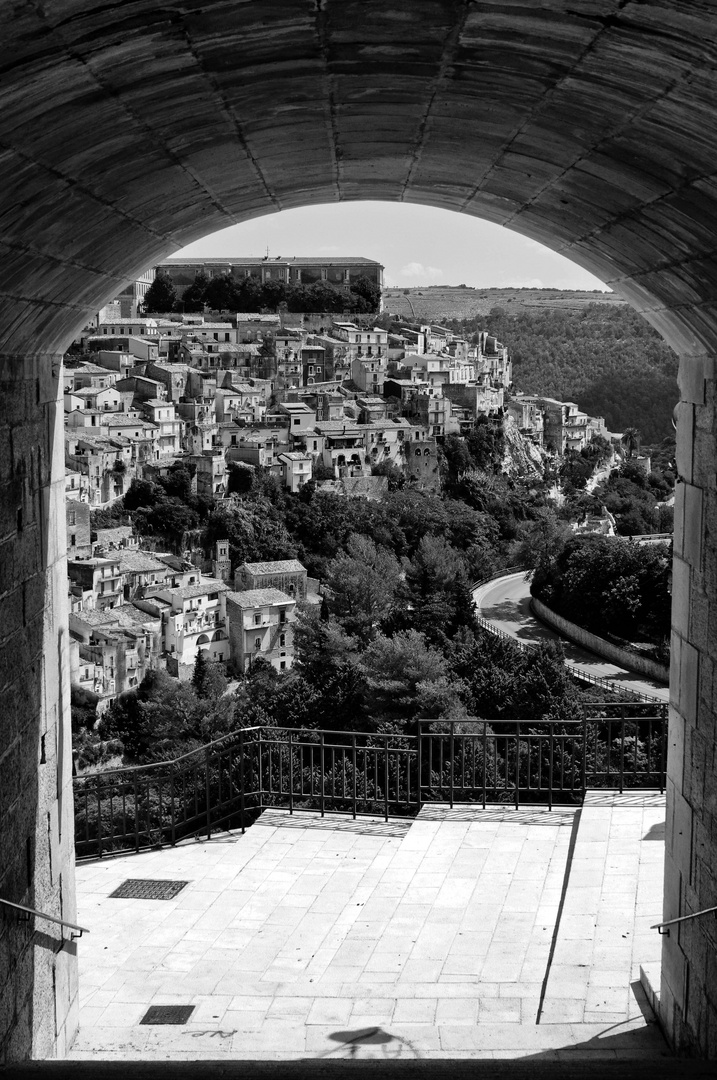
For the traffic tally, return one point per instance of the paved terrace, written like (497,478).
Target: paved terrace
(463,933)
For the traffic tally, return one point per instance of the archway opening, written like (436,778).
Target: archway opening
(127,136)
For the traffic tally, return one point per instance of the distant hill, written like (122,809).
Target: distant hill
(445,302)
(588,347)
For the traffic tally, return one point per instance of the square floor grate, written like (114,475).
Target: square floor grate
(144,889)
(167,1014)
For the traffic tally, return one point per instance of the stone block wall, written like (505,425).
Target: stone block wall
(598,645)
(38,971)
(689,958)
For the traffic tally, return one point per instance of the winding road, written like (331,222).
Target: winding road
(505,604)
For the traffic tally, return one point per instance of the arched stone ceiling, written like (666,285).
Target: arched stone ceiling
(128,129)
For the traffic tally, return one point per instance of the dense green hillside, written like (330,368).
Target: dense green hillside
(605,357)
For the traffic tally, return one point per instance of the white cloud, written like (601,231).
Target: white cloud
(418,270)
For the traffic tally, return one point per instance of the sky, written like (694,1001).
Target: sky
(418,245)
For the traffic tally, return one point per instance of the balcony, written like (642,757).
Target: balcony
(309,933)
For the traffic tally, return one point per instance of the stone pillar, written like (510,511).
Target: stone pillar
(38,971)
(689,957)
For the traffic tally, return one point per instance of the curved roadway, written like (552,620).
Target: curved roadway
(505,604)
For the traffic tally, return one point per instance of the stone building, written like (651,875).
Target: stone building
(260,624)
(99,579)
(286,575)
(297,270)
(114,649)
(420,465)
(77,519)
(193,618)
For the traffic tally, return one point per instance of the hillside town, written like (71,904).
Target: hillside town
(344,405)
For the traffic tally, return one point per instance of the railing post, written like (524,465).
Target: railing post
(452,764)
(419,765)
(551,759)
(136,814)
(260,768)
(622,748)
(291,772)
(584,766)
(385,777)
(353,772)
(241,777)
(321,770)
(171,801)
(99,820)
(485,758)
(208,812)
(517,764)
(663,749)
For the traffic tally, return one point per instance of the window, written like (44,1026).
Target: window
(73,539)
(282,664)
(282,640)
(297,421)
(72,516)
(257,643)
(282,616)
(257,619)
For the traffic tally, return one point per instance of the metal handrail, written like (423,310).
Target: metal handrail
(49,918)
(366,773)
(505,572)
(683,918)
(166,761)
(579,673)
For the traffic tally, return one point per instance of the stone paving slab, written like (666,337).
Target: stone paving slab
(441,937)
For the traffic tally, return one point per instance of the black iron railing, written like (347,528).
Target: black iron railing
(225,784)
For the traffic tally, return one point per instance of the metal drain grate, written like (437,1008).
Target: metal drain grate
(167,1014)
(144,889)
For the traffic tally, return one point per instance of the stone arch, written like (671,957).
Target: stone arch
(591,134)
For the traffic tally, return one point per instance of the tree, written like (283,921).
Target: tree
(141,493)
(612,586)
(436,591)
(326,658)
(273,293)
(363,289)
(255,531)
(240,477)
(207,679)
(363,581)
(194,296)
(177,484)
(457,457)
(399,673)
(539,543)
(631,440)
(169,518)
(161,296)
(486,444)
(396,478)
(222,293)
(154,722)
